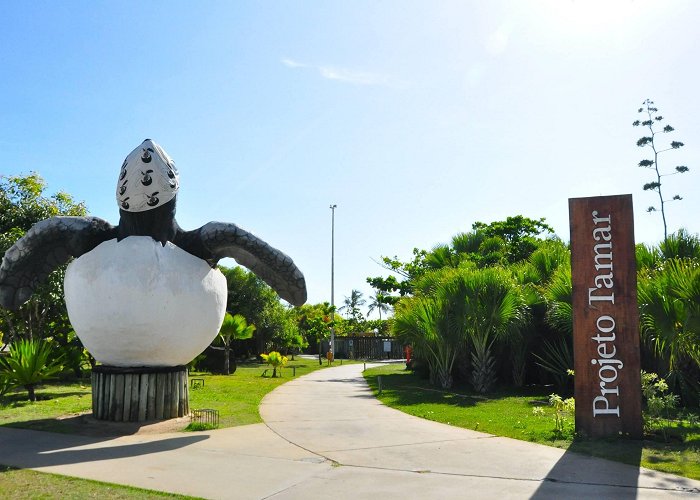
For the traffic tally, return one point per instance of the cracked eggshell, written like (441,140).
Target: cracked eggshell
(139,303)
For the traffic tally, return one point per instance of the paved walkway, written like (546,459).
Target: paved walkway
(326,436)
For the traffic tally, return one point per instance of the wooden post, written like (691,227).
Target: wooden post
(607,383)
(139,394)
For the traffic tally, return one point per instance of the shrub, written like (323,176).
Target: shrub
(28,364)
(274,359)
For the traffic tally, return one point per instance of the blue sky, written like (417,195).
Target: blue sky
(415,118)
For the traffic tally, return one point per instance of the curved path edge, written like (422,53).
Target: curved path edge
(333,413)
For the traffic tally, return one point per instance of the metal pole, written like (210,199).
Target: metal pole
(332,343)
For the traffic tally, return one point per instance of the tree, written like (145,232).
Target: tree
(23,203)
(352,307)
(423,323)
(233,328)
(285,333)
(519,233)
(251,297)
(460,309)
(653,119)
(669,298)
(496,244)
(379,303)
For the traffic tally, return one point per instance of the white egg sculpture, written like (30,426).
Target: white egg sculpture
(138,303)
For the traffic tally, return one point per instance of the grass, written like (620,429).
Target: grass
(55,401)
(511,415)
(235,396)
(238,396)
(27,484)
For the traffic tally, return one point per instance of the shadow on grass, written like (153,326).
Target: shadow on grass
(20,399)
(409,390)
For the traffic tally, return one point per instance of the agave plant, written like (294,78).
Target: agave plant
(28,364)
(275,360)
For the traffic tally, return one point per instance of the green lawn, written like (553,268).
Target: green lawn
(56,402)
(512,415)
(236,396)
(27,484)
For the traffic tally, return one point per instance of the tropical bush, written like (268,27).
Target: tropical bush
(669,299)
(460,310)
(275,360)
(29,363)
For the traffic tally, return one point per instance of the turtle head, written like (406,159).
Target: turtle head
(148,179)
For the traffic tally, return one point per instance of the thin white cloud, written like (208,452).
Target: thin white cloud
(291,63)
(346,75)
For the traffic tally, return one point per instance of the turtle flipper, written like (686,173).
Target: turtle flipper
(217,240)
(47,245)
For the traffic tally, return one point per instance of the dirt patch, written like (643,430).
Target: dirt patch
(86,425)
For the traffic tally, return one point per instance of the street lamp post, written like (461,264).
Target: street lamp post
(332,343)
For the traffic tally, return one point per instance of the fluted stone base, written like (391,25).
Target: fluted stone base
(139,394)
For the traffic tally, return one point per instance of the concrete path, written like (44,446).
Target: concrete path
(326,436)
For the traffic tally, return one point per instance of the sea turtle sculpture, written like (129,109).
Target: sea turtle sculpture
(143,293)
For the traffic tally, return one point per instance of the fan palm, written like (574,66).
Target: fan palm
(456,308)
(233,328)
(669,299)
(420,322)
(494,309)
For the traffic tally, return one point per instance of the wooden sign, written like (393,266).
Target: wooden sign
(607,384)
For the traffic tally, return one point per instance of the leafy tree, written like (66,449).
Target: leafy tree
(28,364)
(407,271)
(23,203)
(652,121)
(499,243)
(251,297)
(519,233)
(285,333)
(233,328)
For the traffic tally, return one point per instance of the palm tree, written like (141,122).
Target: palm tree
(352,306)
(669,301)
(495,309)
(422,323)
(457,309)
(276,360)
(378,302)
(233,328)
